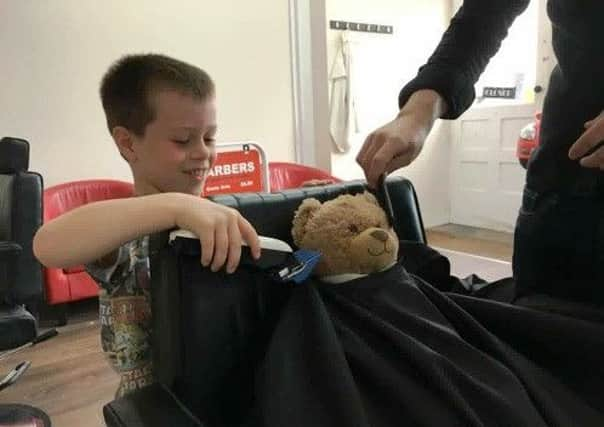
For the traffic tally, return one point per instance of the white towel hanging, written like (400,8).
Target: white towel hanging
(342,103)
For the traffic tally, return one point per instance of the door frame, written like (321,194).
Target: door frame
(309,82)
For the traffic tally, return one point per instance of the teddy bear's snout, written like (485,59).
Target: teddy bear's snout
(380,235)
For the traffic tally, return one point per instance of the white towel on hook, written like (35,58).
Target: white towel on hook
(342,109)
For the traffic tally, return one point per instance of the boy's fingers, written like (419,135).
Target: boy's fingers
(207,247)
(234,247)
(249,235)
(221,246)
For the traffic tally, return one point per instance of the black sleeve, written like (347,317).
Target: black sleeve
(472,38)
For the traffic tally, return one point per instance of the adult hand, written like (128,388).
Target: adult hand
(587,142)
(399,142)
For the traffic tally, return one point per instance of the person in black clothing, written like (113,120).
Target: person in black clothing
(559,235)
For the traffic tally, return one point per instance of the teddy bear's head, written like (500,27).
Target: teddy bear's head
(351,232)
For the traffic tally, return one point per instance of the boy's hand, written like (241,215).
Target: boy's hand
(593,135)
(221,231)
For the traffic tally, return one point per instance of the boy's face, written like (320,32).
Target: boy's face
(178,149)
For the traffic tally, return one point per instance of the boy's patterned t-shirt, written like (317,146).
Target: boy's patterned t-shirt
(125,314)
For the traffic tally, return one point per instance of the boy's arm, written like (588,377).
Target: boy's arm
(93,231)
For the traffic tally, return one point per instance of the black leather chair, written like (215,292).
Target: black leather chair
(271,214)
(21,282)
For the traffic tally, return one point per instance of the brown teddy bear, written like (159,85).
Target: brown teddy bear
(351,232)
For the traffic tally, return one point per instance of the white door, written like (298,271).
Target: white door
(486,178)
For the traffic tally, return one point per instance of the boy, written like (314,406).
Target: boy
(161,114)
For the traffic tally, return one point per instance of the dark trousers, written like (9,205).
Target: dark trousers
(559,246)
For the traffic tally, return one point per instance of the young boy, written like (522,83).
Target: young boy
(161,114)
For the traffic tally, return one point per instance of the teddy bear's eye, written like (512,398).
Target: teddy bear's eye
(353,228)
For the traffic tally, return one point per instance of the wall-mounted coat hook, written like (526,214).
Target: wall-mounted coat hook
(359,26)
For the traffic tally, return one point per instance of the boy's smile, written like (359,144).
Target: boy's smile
(177,150)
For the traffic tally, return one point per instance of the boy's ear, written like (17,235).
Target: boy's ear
(124,142)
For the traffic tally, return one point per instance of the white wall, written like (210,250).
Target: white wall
(54,53)
(384,63)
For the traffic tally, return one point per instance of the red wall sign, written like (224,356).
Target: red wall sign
(235,172)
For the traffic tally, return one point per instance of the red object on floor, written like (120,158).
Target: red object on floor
(283,175)
(73,283)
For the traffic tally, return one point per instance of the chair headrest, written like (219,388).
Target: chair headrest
(282,206)
(14,155)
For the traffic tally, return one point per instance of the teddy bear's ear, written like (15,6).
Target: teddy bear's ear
(371,198)
(304,212)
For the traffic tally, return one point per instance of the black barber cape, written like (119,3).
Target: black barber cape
(387,349)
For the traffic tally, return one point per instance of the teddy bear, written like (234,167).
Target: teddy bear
(351,232)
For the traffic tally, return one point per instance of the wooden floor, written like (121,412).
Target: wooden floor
(477,241)
(70,379)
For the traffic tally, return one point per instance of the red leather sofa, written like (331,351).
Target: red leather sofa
(284,175)
(72,284)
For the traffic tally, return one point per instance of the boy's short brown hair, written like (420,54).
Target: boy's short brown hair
(126,87)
